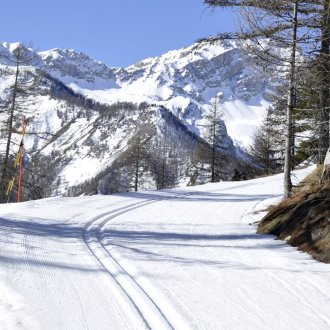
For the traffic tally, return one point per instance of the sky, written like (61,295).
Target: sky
(117,32)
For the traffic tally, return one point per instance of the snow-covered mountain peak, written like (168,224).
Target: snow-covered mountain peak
(12,46)
(181,57)
(67,54)
(66,64)
(189,79)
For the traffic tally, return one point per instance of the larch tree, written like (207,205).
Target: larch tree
(267,149)
(24,83)
(303,24)
(324,78)
(213,135)
(138,153)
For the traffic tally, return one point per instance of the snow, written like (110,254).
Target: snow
(243,120)
(185,258)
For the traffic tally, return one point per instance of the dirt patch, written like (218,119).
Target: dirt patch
(304,219)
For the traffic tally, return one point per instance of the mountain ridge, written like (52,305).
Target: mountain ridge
(100,118)
(177,80)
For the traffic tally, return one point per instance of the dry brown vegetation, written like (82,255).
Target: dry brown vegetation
(303,220)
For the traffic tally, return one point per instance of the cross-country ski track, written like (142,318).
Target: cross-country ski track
(184,258)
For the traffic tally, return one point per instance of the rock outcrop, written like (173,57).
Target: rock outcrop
(304,219)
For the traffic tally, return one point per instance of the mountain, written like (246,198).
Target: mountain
(184,80)
(84,117)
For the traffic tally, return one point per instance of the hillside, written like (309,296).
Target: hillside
(303,219)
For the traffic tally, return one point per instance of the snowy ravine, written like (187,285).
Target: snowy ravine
(185,258)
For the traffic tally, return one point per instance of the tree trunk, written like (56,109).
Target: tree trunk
(214,139)
(324,71)
(213,155)
(10,130)
(290,106)
(137,166)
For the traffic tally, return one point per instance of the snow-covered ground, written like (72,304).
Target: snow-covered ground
(185,258)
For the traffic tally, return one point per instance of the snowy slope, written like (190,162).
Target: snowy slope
(182,258)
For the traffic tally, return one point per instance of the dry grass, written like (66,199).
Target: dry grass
(311,181)
(304,219)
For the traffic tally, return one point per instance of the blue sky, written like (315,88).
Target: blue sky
(117,32)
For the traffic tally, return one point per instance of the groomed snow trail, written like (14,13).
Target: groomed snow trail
(184,258)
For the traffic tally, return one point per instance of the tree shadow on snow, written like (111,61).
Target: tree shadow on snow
(22,242)
(200,196)
(165,247)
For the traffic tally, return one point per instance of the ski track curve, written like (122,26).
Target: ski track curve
(97,224)
(143,304)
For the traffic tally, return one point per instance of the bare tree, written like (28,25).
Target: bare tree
(324,76)
(214,132)
(137,154)
(290,105)
(23,85)
(267,150)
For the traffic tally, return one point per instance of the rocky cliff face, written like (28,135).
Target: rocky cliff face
(76,65)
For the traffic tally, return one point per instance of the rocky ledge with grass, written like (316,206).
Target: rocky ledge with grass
(303,220)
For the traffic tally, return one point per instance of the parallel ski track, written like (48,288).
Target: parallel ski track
(145,306)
